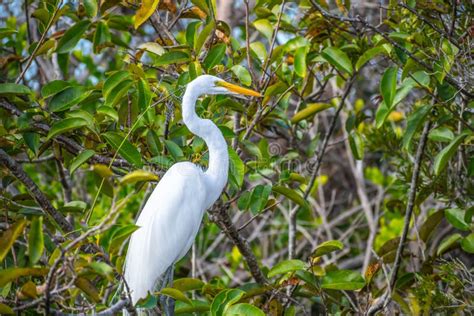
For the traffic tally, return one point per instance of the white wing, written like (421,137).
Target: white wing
(168,224)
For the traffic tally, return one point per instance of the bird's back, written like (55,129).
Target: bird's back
(168,225)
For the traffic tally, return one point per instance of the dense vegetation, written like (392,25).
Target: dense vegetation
(351,181)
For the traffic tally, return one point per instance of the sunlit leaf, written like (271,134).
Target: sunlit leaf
(310,110)
(9,236)
(11,274)
(146,9)
(138,175)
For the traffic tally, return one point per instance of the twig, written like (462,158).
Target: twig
(223,220)
(40,42)
(385,299)
(34,191)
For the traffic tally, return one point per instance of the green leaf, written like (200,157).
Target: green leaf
(8,238)
(343,280)
(102,269)
(101,37)
(286,266)
(35,240)
(388,86)
(243,74)
(415,120)
(300,61)
(259,197)
(357,145)
(188,284)
(144,94)
(67,98)
(443,157)
(455,217)
(53,87)
(203,35)
(80,159)
(291,194)
(368,55)
(236,169)
(11,274)
(327,247)
(441,134)
(224,300)
(176,294)
(244,309)
(13,88)
(173,57)
(138,175)
(192,32)
(448,243)
(117,93)
(91,7)
(124,147)
(214,56)
(309,111)
(265,27)
(338,59)
(113,81)
(174,149)
(66,125)
(467,243)
(72,37)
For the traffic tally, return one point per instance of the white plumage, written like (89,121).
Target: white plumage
(172,215)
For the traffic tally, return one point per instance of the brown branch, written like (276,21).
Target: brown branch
(385,299)
(222,219)
(34,191)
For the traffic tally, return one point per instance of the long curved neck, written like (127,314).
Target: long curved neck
(217,172)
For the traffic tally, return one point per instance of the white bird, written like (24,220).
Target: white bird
(172,215)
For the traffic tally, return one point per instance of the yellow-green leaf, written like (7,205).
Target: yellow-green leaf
(309,111)
(342,280)
(147,8)
(9,236)
(176,294)
(6,310)
(8,275)
(138,175)
(88,288)
(291,194)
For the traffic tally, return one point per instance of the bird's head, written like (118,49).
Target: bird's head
(208,84)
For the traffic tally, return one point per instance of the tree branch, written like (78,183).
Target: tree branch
(223,220)
(34,191)
(385,299)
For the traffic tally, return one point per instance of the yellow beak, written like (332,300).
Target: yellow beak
(238,89)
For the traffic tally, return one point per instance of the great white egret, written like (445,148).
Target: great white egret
(172,215)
